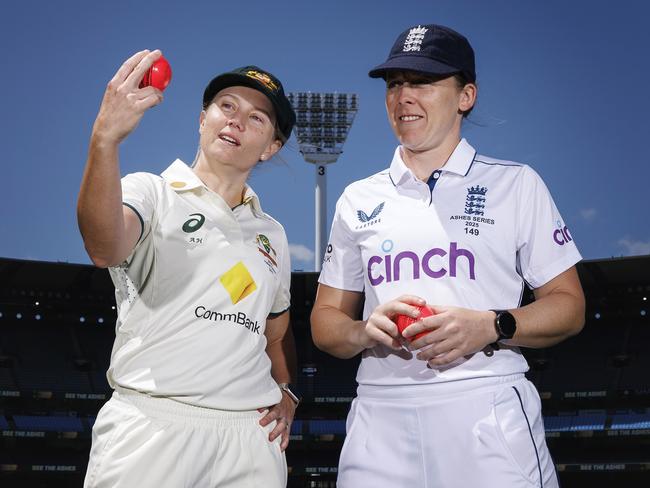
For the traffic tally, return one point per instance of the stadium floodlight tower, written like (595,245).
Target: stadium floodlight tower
(323,121)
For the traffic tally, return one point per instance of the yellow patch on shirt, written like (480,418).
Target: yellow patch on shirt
(238,282)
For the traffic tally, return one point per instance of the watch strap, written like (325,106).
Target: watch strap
(286,387)
(501,335)
(495,344)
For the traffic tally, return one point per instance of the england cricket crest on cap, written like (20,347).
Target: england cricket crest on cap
(265,248)
(414,39)
(475,201)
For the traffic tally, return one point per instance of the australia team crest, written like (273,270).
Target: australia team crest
(266,249)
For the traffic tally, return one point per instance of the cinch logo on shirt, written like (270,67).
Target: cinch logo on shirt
(561,235)
(238,282)
(388,268)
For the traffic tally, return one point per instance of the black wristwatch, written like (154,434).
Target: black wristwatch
(505,325)
(292,391)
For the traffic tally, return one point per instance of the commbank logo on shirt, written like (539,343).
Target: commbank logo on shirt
(238,282)
(368,220)
(239,318)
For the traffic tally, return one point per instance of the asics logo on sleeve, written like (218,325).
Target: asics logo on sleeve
(389,267)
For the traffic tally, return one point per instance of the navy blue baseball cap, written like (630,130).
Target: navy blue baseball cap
(430,49)
(260,80)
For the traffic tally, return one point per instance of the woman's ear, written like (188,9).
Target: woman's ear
(270,151)
(201,120)
(467,97)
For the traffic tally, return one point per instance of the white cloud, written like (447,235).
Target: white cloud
(634,248)
(301,253)
(588,214)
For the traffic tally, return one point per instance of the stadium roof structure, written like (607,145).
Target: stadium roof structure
(86,278)
(60,276)
(631,270)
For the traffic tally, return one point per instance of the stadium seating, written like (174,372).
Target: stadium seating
(595,387)
(48,423)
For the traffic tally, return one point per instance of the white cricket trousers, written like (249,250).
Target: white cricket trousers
(484,432)
(141,441)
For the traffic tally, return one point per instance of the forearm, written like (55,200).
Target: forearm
(335,333)
(99,208)
(549,320)
(282,354)
(107,237)
(453,332)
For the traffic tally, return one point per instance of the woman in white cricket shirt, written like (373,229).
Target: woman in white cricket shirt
(203,352)
(463,233)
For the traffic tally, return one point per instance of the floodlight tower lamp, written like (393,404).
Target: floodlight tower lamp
(323,121)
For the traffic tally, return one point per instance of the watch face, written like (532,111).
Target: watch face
(507,325)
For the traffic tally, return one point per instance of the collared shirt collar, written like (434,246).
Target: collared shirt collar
(180,177)
(459,163)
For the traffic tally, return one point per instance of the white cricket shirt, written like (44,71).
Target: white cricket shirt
(194,296)
(487,227)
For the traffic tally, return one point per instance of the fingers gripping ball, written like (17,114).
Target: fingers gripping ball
(403,321)
(158,76)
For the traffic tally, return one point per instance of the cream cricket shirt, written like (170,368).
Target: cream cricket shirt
(487,227)
(194,296)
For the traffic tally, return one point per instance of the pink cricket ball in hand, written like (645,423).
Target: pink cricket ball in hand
(403,321)
(159,75)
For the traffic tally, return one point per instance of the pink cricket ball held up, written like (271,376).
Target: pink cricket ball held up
(159,75)
(403,321)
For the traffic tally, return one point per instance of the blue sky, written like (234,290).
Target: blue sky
(562,87)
